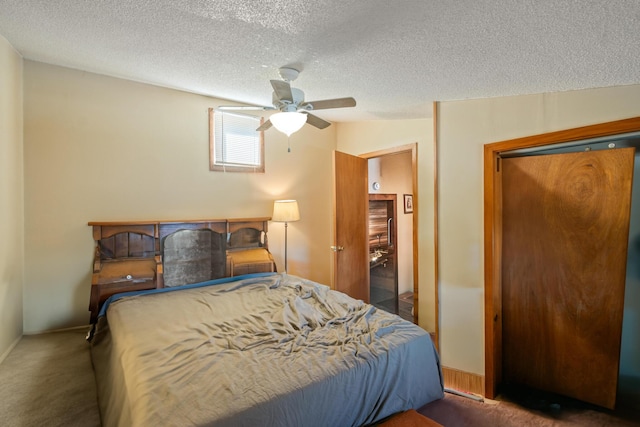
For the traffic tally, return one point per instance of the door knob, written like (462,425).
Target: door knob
(337,248)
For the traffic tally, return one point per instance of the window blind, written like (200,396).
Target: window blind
(236,141)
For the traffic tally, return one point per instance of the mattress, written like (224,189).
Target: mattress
(263,349)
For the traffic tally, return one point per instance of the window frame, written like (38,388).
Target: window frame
(228,167)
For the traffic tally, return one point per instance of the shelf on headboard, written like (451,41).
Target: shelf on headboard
(130,243)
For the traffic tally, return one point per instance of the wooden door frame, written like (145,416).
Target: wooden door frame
(413,149)
(493,230)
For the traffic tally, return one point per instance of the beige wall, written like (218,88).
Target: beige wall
(101,148)
(365,137)
(463,128)
(11,198)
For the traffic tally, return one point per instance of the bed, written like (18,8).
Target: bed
(259,349)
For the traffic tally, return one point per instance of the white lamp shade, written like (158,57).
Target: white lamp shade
(288,122)
(285,211)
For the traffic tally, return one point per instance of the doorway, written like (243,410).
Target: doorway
(392,256)
(494,230)
(383,257)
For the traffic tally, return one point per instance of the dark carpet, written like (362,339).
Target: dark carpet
(525,408)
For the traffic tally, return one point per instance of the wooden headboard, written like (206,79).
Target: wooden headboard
(243,234)
(180,252)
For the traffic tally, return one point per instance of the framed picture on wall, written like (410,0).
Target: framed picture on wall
(408,203)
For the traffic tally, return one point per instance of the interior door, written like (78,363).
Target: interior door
(351,246)
(565,234)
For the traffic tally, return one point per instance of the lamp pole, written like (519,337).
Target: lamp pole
(286,225)
(285,211)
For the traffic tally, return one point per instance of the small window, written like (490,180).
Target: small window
(234,143)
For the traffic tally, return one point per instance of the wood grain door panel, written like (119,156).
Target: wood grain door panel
(565,236)
(351,260)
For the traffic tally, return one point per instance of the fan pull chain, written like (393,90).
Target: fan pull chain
(288,144)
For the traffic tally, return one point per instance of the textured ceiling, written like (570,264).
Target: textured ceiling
(394,57)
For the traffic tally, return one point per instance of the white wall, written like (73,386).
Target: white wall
(370,136)
(11,197)
(463,129)
(101,148)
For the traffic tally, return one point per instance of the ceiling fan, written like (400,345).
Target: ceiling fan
(294,110)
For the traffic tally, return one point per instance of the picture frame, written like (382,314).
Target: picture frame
(408,203)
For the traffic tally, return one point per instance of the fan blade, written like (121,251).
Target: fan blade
(282,90)
(316,121)
(266,125)
(243,108)
(329,103)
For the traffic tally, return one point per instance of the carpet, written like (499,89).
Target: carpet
(409,418)
(457,411)
(47,380)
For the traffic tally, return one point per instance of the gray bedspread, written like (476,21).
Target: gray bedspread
(265,350)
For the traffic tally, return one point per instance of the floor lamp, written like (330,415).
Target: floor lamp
(285,211)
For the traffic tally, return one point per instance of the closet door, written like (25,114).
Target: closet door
(565,234)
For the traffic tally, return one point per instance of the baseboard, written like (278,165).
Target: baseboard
(463,381)
(48,331)
(6,353)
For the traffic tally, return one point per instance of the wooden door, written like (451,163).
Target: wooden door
(350,243)
(565,234)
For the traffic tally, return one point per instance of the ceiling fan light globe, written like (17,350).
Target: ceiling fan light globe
(288,122)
